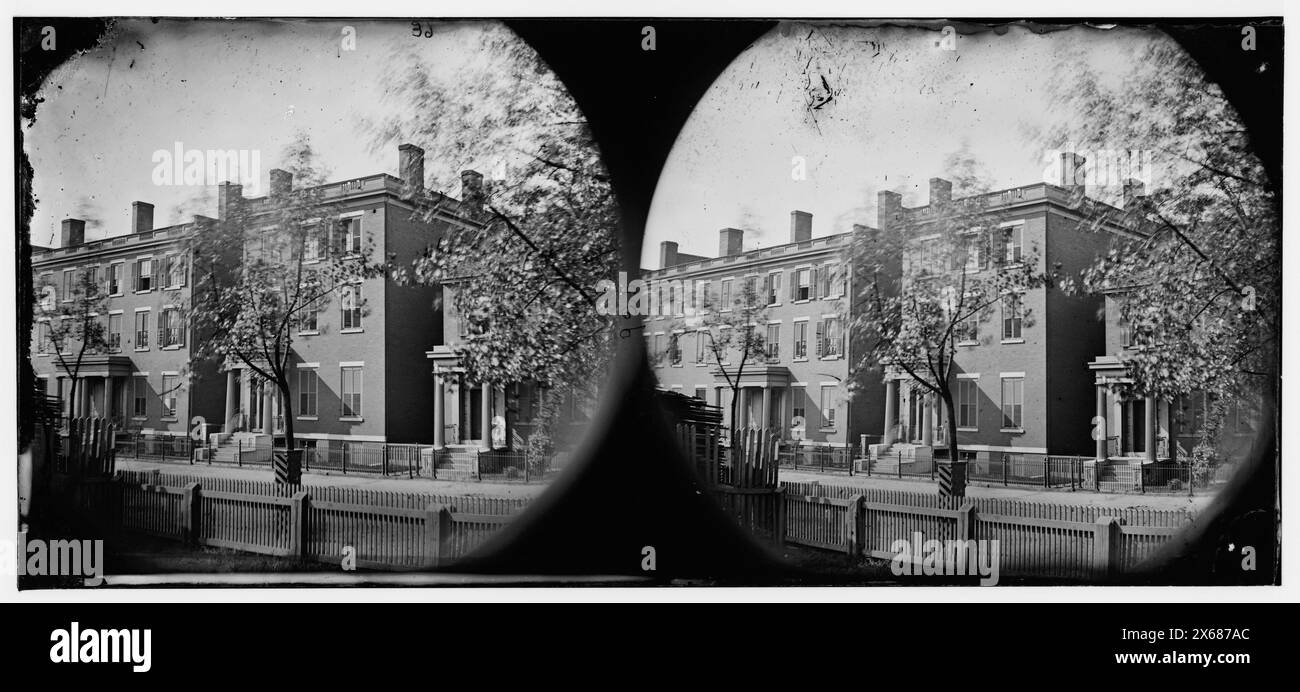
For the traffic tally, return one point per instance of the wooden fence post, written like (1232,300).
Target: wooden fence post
(780,517)
(1105,546)
(966,522)
(857,528)
(190,512)
(298,524)
(437,531)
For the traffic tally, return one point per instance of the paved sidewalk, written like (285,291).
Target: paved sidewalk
(424,485)
(1196,503)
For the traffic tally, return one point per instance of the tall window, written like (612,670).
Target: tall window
(724,337)
(800,339)
(42,337)
(830,337)
(142,330)
(701,393)
(701,346)
(1012,316)
(801,286)
(69,283)
(828,406)
(140,396)
(350,235)
(351,388)
(725,298)
(751,293)
(1013,243)
(92,276)
(175,271)
(772,287)
(115,279)
(308,380)
(968,403)
(114,335)
(350,304)
(824,280)
(170,394)
(170,332)
(143,271)
(674,349)
(706,295)
(1125,335)
(975,256)
(799,402)
(773,343)
(1013,400)
(968,330)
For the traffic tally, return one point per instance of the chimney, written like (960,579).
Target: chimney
(281,182)
(800,226)
(74,232)
(410,167)
(940,192)
(472,192)
(1072,172)
(730,242)
(889,210)
(1135,192)
(141,217)
(667,254)
(229,195)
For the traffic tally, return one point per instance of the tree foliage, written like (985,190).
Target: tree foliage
(73,324)
(542,233)
(1201,292)
(265,267)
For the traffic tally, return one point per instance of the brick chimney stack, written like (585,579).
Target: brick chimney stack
(281,182)
(940,192)
(74,232)
(889,210)
(410,167)
(472,191)
(800,226)
(229,197)
(141,217)
(730,242)
(1073,176)
(667,254)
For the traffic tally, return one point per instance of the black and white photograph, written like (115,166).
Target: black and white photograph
(856,302)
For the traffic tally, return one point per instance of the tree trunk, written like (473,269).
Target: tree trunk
(735,413)
(287,408)
(946,395)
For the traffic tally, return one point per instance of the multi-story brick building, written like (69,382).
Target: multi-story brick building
(362,366)
(143,380)
(800,384)
(1022,379)
(1022,383)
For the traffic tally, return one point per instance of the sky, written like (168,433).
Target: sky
(212,85)
(899,107)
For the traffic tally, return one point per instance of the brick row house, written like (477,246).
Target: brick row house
(363,364)
(799,386)
(1028,379)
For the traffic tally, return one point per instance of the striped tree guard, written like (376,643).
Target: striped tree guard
(952,479)
(287,465)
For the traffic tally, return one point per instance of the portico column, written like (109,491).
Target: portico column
(439,414)
(1099,427)
(79,401)
(767,407)
(1151,428)
(486,417)
(268,408)
(232,399)
(927,421)
(108,398)
(891,393)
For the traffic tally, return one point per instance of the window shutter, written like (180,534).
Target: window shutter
(135,275)
(180,329)
(162,333)
(812,289)
(794,285)
(821,336)
(767,289)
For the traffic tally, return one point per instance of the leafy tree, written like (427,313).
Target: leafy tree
(1201,292)
(73,324)
(540,234)
(263,268)
(915,299)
